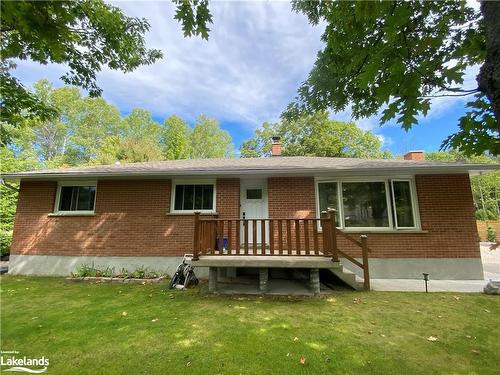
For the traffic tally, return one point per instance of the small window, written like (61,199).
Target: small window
(76,198)
(403,204)
(191,197)
(254,193)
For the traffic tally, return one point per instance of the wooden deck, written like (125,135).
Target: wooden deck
(274,243)
(271,261)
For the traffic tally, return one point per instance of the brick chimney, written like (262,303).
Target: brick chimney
(414,155)
(276,146)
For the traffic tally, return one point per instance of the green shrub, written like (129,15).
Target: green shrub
(85,271)
(125,273)
(491,235)
(91,271)
(485,214)
(5,242)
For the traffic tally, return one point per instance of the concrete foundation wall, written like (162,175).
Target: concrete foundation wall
(49,265)
(446,269)
(412,268)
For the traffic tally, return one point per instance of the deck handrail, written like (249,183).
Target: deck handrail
(278,236)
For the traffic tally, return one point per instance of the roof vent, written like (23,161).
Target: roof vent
(276,146)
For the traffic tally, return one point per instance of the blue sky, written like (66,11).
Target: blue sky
(247,72)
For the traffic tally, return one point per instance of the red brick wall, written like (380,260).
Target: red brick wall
(291,197)
(130,220)
(228,198)
(446,214)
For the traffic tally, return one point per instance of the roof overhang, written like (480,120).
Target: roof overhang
(472,169)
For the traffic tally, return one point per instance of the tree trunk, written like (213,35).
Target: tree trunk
(489,75)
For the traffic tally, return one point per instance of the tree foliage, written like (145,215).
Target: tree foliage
(11,162)
(92,131)
(86,35)
(315,135)
(175,138)
(395,57)
(194,16)
(208,140)
(476,128)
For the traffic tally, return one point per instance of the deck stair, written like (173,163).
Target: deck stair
(348,277)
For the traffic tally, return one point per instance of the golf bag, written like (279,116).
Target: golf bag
(184,275)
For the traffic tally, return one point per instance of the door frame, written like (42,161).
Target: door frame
(254,183)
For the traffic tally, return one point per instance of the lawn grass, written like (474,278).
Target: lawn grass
(81,328)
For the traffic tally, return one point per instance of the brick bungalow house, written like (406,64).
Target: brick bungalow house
(418,215)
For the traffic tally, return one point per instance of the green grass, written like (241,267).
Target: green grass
(81,328)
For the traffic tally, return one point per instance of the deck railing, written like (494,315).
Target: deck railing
(277,236)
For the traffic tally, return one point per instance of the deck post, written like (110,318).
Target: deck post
(366,271)
(196,237)
(263,279)
(212,279)
(333,228)
(326,236)
(314,281)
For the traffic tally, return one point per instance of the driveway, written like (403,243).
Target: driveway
(491,261)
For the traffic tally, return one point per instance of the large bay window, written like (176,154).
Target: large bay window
(189,197)
(376,204)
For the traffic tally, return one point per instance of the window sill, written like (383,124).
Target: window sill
(192,213)
(58,214)
(383,231)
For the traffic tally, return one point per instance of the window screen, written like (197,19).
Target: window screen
(328,197)
(403,210)
(194,197)
(77,198)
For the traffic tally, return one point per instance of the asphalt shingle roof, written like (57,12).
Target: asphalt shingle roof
(271,165)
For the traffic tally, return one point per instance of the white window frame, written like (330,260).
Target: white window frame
(193,182)
(414,204)
(389,199)
(57,203)
(340,223)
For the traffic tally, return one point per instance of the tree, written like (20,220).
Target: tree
(175,138)
(90,123)
(129,150)
(86,35)
(49,137)
(315,135)
(208,140)
(137,141)
(140,124)
(75,135)
(396,56)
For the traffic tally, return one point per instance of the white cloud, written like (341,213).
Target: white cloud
(247,72)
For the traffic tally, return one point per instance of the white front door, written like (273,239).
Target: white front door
(253,199)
